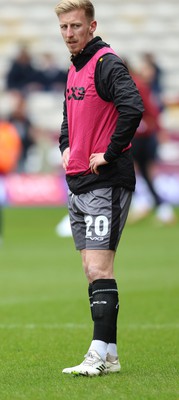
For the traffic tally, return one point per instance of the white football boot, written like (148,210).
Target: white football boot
(91,366)
(112,364)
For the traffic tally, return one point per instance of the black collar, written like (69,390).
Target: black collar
(89,50)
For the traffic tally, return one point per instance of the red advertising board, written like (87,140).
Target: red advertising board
(30,190)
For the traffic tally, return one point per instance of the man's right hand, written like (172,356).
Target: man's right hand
(65,158)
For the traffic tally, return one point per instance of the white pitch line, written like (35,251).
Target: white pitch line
(25,300)
(32,326)
(43,326)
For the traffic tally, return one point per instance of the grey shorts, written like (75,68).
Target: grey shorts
(98,217)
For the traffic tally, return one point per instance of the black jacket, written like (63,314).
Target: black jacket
(113,83)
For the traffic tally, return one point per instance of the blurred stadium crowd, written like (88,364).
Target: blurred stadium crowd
(34,65)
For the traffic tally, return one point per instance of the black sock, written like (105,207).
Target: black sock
(90,298)
(105,310)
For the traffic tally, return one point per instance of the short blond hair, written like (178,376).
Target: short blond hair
(70,5)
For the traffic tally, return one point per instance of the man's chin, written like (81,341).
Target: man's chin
(72,48)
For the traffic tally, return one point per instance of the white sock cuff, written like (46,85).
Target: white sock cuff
(100,347)
(112,349)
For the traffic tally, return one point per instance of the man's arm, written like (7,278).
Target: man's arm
(63,139)
(113,83)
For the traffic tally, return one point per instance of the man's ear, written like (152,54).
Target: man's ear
(93,26)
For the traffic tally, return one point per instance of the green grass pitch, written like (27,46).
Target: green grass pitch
(45,319)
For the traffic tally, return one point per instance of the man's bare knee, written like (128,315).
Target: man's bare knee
(98,264)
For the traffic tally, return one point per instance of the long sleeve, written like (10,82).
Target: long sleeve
(63,139)
(113,83)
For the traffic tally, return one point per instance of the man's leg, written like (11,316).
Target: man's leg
(112,346)
(104,223)
(103,294)
(104,303)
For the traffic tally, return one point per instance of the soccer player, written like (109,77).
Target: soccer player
(102,110)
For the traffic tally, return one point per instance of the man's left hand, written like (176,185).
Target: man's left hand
(95,160)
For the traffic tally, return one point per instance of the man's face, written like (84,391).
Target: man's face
(76,30)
